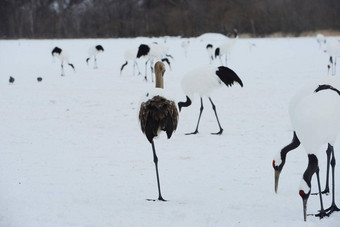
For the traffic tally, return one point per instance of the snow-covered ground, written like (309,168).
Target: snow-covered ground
(72,152)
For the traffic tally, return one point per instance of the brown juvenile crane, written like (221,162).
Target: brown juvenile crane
(158,114)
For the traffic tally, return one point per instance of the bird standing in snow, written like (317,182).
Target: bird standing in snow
(11,80)
(151,52)
(63,56)
(226,47)
(158,114)
(204,81)
(333,50)
(130,55)
(93,52)
(315,117)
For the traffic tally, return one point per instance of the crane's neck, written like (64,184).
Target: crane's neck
(159,80)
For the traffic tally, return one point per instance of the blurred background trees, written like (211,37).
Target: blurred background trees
(131,18)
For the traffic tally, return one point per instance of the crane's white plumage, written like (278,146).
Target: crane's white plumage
(320,39)
(315,117)
(201,81)
(131,55)
(226,47)
(93,52)
(63,56)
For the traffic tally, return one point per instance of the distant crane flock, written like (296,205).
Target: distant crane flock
(314,111)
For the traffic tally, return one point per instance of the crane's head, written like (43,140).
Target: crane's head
(56,51)
(99,48)
(304,192)
(278,164)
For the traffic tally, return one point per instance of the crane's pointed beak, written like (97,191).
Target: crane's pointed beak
(277,176)
(304,201)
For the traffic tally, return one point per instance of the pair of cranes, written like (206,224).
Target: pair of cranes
(63,56)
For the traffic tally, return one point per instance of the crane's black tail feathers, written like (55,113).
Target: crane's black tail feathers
(228,76)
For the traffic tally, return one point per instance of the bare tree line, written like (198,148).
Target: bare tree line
(131,18)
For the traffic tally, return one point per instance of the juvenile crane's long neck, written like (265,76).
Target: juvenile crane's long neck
(159,71)
(159,80)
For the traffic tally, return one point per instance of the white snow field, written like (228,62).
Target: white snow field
(72,152)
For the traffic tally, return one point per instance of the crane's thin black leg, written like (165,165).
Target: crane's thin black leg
(333,207)
(152,70)
(322,213)
(146,64)
(95,63)
(139,73)
(219,125)
(328,152)
(334,66)
(62,68)
(155,160)
(199,118)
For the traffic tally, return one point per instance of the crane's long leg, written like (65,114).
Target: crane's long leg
(95,63)
(322,212)
(333,207)
(155,160)
(62,69)
(199,118)
(334,66)
(152,71)
(328,152)
(146,64)
(219,125)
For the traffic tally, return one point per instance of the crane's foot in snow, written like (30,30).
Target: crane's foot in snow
(322,214)
(218,133)
(332,209)
(192,133)
(154,200)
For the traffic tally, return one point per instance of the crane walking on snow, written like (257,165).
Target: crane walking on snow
(204,81)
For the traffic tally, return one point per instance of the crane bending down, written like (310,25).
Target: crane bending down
(204,81)
(63,56)
(315,117)
(158,114)
(93,52)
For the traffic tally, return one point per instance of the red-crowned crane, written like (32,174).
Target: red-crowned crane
(93,52)
(63,56)
(315,117)
(204,81)
(130,55)
(151,52)
(158,114)
(333,50)
(226,47)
